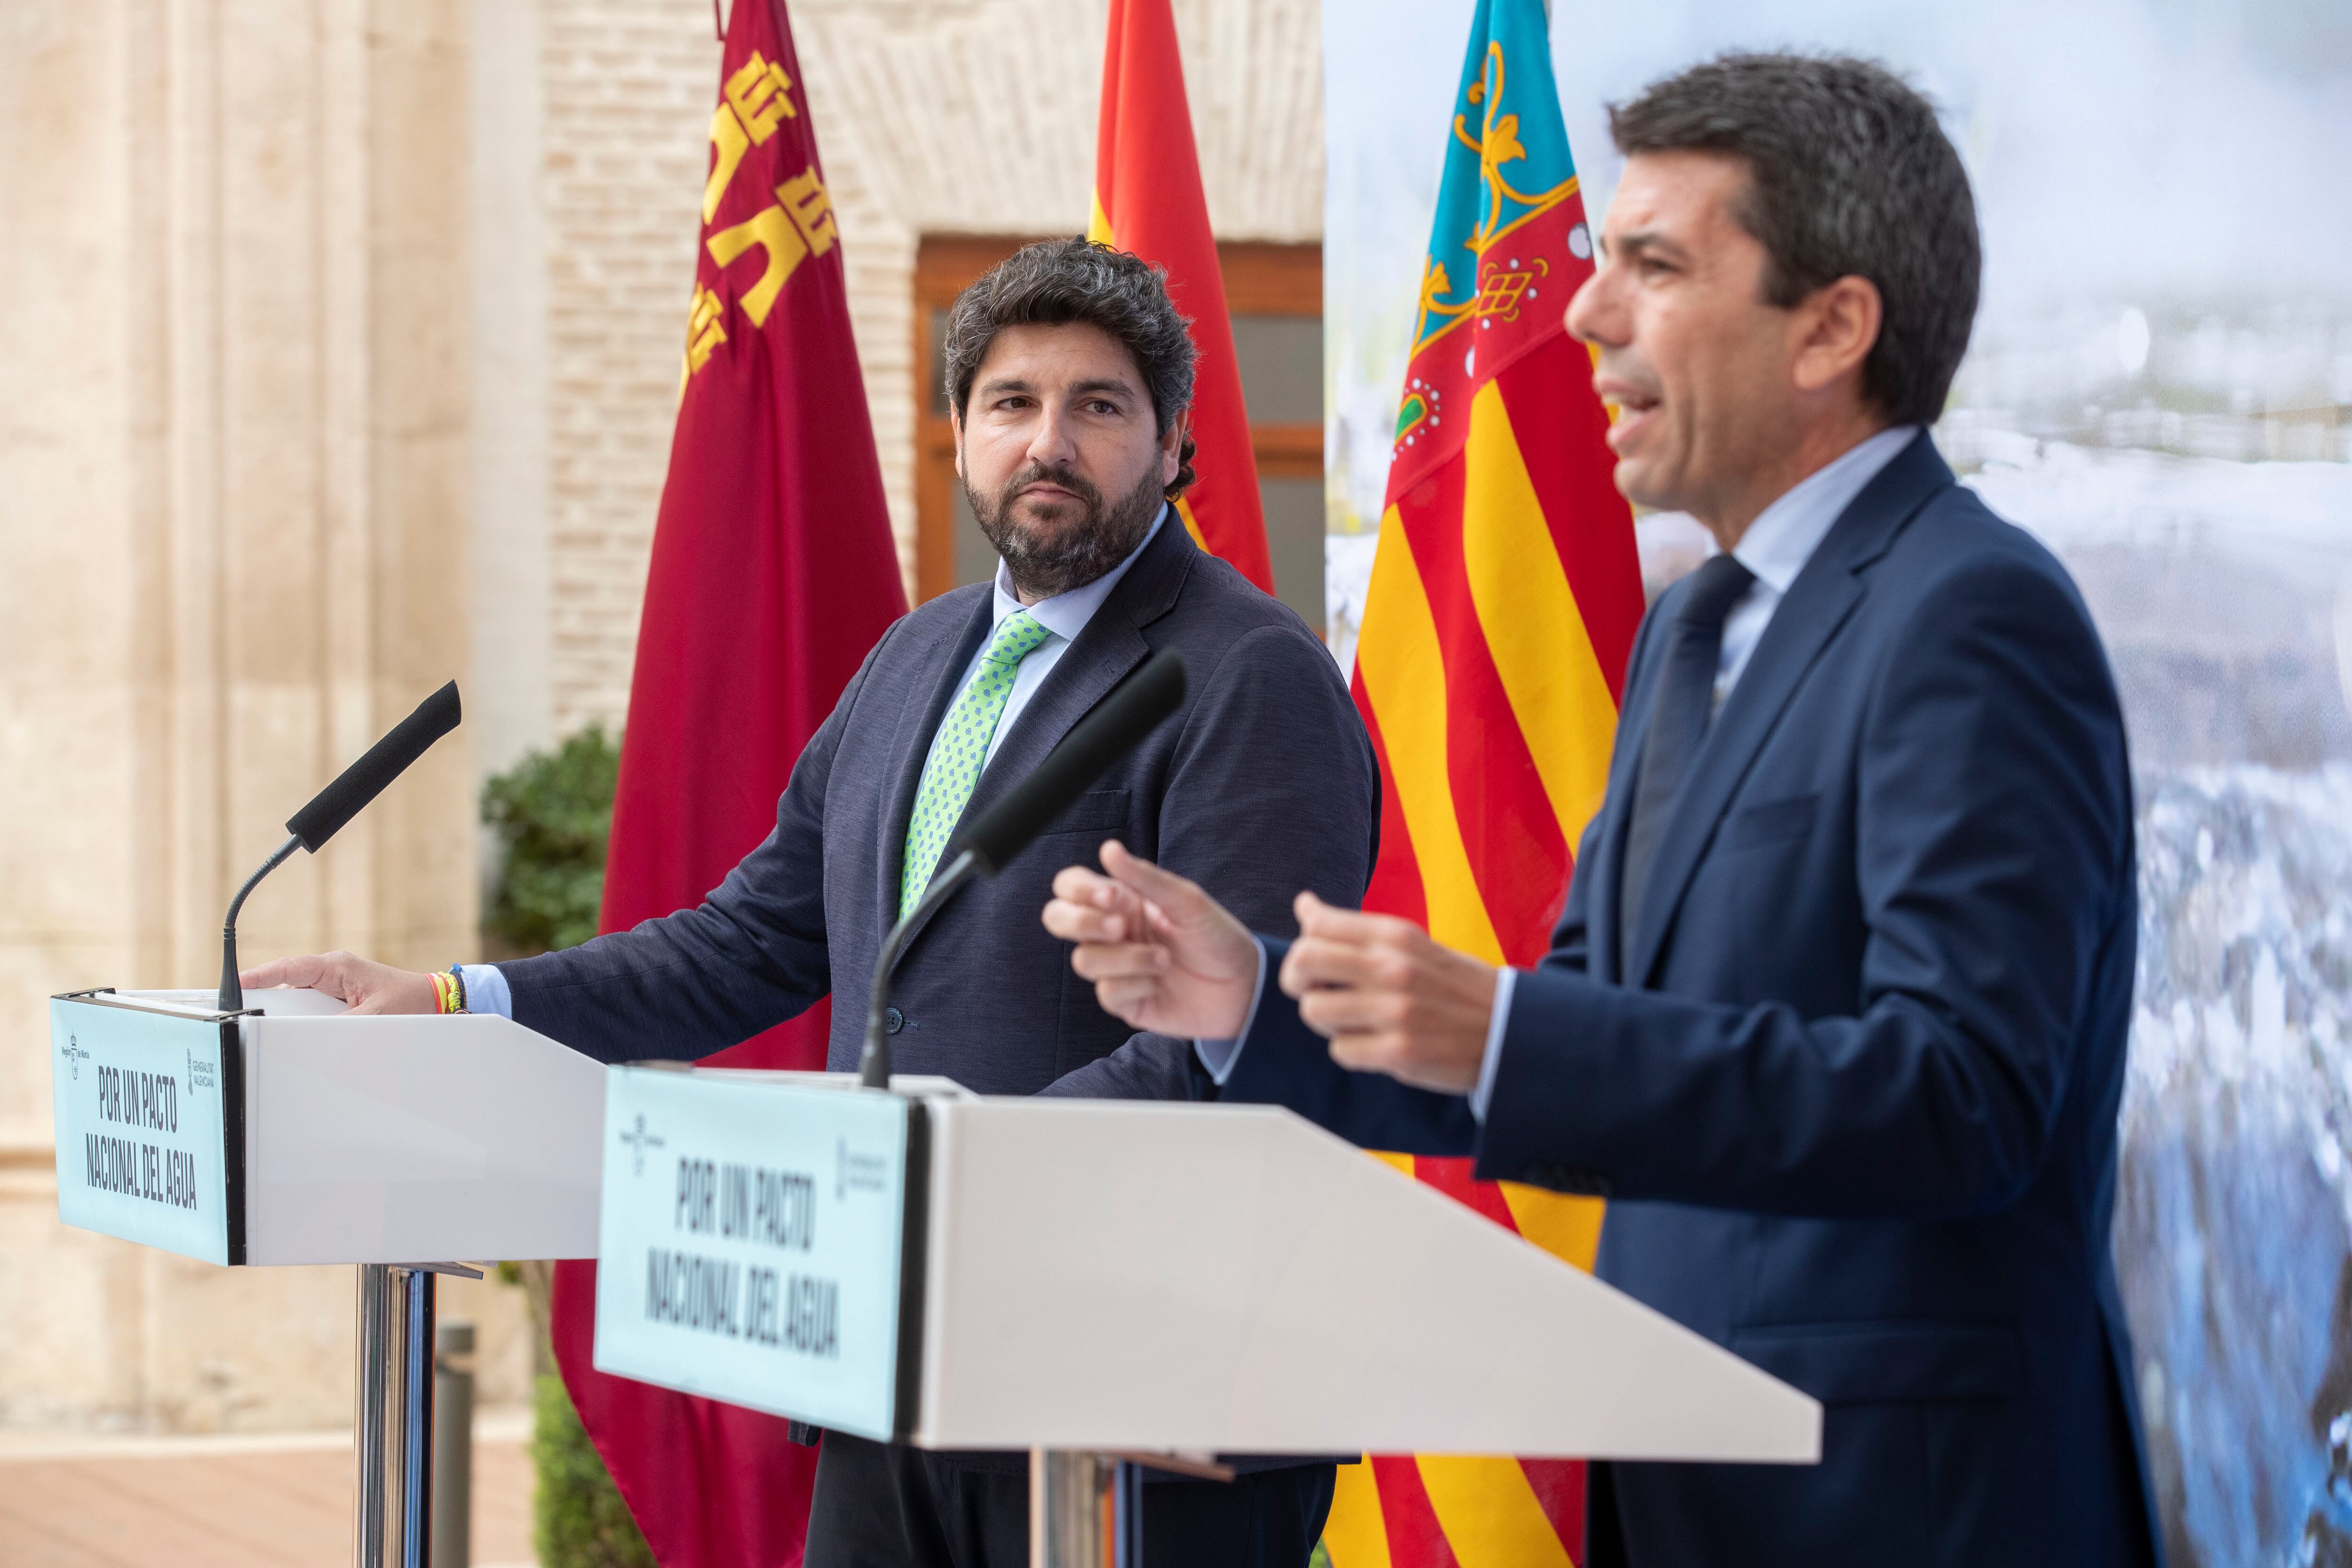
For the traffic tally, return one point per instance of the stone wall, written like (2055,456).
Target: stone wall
(233,428)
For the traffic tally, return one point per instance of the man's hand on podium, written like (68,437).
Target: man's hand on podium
(347,977)
(1165,956)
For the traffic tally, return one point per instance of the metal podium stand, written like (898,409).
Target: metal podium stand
(392,1414)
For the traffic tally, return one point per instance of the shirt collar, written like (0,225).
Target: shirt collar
(1785,534)
(1067,614)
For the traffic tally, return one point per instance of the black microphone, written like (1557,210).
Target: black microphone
(384,762)
(1116,727)
(336,804)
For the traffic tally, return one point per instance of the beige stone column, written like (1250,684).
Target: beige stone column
(234,547)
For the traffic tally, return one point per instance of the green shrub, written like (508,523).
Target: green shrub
(553,812)
(577,1518)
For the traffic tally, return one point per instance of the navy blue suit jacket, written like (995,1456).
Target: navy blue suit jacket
(1262,783)
(1851,1087)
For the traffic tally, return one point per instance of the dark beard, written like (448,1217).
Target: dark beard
(1074,554)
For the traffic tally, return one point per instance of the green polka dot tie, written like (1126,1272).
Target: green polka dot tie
(955,761)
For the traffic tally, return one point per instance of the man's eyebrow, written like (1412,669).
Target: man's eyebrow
(995,384)
(1647,240)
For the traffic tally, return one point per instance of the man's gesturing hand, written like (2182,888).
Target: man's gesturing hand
(368,988)
(1163,955)
(1389,998)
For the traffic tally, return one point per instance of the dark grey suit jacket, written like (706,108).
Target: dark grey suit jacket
(1261,784)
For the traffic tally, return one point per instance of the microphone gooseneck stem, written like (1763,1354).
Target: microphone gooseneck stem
(874,1061)
(232,992)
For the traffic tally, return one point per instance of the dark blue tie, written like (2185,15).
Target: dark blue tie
(1678,721)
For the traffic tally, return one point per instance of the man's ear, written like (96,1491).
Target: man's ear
(955,430)
(1837,326)
(1171,449)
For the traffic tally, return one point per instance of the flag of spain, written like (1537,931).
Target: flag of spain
(1147,201)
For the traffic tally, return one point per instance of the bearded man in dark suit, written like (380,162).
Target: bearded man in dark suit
(1070,374)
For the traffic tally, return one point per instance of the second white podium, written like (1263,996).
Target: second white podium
(963,1272)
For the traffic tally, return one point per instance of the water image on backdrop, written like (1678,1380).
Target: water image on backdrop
(2160,389)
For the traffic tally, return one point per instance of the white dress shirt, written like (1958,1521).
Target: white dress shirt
(1775,548)
(1064,616)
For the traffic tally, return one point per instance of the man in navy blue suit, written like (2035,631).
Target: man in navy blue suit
(1836,1015)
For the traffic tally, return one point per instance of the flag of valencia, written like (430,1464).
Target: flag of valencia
(1504,598)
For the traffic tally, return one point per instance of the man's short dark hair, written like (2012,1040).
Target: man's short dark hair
(1849,173)
(1057,281)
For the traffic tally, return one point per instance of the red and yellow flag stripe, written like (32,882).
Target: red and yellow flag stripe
(1147,201)
(1502,607)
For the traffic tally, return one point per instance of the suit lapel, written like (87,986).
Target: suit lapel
(1112,645)
(1816,605)
(910,743)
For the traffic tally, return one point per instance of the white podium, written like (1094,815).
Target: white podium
(1088,1278)
(290,1132)
(1085,1280)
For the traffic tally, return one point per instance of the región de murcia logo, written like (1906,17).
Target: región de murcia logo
(756,100)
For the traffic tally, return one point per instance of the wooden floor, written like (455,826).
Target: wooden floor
(223,1503)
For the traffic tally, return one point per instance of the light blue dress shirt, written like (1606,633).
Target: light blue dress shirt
(1064,615)
(1775,548)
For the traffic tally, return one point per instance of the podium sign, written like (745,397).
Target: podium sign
(760,1243)
(150,1117)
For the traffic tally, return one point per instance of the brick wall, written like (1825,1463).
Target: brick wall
(628,85)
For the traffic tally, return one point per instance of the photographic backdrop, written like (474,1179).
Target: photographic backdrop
(2160,388)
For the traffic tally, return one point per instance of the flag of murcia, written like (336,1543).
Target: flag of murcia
(773,571)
